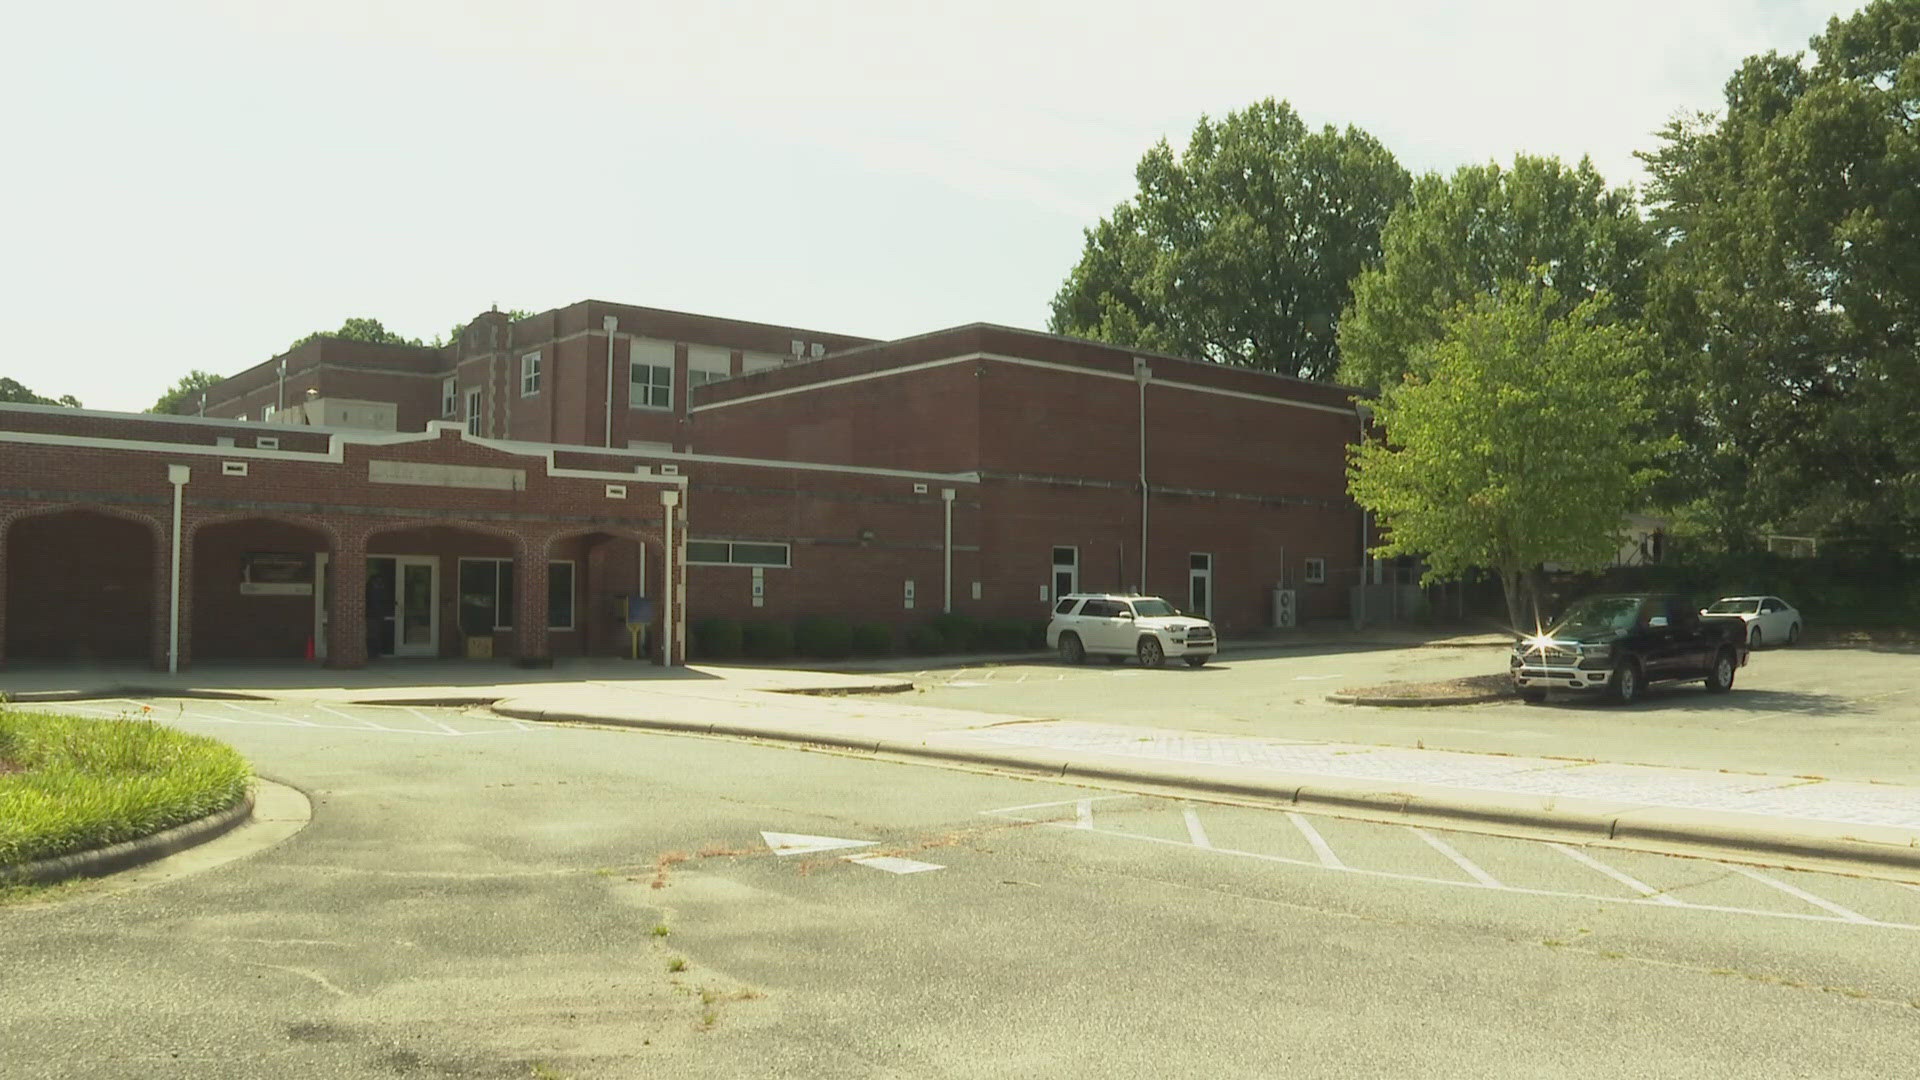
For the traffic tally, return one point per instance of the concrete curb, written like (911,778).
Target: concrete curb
(1624,824)
(127,854)
(1419,702)
(30,697)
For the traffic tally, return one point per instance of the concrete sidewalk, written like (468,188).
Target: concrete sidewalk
(1801,821)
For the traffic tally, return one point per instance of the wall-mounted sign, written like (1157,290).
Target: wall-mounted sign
(274,573)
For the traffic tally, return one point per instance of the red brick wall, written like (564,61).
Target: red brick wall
(80,586)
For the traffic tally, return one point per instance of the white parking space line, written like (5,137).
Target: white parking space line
(1459,860)
(1647,898)
(1790,890)
(1007,810)
(1083,813)
(435,721)
(270,716)
(1628,880)
(1196,831)
(1320,848)
(368,724)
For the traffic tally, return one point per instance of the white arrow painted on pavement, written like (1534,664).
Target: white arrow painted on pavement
(786,843)
(892,864)
(802,844)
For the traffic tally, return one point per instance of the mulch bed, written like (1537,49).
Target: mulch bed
(1470,686)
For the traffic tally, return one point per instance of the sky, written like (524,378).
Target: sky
(192,184)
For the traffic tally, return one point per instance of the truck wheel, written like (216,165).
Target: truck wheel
(1071,651)
(1533,695)
(1720,680)
(1624,687)
(1151,654)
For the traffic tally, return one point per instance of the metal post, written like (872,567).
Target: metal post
(610,323)
(1142,374)
(669,501)
(177,475)
(946,498)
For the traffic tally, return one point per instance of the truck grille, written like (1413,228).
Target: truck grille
(1550,654)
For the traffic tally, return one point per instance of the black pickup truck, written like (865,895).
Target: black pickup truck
(1620,644)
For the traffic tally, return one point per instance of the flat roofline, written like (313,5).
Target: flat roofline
(1105,345)
(700,315)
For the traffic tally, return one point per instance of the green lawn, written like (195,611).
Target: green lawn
(69,784)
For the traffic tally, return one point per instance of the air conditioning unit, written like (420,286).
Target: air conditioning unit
(1285,608)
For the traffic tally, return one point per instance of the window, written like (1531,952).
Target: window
(818,350)
(1316,571)
(1066,570)
(560,595)
(706,365)
(266,414)
(651,386)
(1064,606)
(486,595)
(738,553)
(473,411)
(530,374)
(449,396)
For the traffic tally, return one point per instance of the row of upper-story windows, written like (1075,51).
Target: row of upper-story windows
(649,376)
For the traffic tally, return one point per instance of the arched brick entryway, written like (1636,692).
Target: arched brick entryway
(83,583)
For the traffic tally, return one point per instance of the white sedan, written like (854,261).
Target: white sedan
(1769,619)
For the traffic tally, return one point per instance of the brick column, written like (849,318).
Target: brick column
(347,609)
(6,533)
(160,616)
(530,647)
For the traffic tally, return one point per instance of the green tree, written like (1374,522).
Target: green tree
(13,391)
(1793,286)
(1240,250)
(359,329)
(1458,236)
(184,397)
(1520,441)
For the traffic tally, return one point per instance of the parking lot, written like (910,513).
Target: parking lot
(1837,713)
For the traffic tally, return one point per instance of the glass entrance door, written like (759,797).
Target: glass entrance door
(403,605)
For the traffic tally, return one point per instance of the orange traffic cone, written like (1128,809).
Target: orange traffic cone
(309,646)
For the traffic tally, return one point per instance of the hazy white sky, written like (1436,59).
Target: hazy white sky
(194,184)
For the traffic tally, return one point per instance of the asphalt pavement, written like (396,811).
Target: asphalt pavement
(496,897)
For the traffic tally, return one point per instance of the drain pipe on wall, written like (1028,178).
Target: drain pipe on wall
(1143,375)
(611,324)
(177,475)
(669,501)
(946,499)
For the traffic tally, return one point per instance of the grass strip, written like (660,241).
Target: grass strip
(70,784)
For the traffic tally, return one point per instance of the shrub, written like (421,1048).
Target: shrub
(825,638)
(1006,635)
(923,639)
(873,639)
(717,639)
(767,640)
(961,633)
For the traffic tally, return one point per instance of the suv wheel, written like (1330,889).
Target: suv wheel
(1071,650)
(1151,654)
(1721,679)
(1624,687)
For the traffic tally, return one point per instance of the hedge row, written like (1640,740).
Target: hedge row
(824,638)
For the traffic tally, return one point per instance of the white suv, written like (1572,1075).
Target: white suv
(1117,626)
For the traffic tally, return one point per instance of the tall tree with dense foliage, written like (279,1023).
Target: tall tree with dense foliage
(1794,285)
(1457,236)
(13,391)
(360,329)
(1241,249)
(184,397)
(1520,440)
